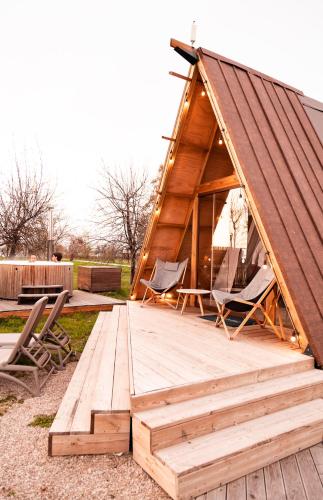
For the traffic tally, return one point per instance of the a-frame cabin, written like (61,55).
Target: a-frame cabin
(207,412)
(237,127)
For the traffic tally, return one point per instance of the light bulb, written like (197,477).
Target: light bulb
(133,297)
(220,141)
(203,93)
(171,161)
(145,255)
(186,104)
(157,211)
(293,338)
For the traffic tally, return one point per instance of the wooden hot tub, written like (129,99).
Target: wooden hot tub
(15,273)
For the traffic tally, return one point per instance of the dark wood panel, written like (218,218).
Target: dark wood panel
(99,279)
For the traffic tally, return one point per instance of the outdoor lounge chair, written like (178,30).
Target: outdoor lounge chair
(248,301)
(38,357)
(165,277)
(53,335)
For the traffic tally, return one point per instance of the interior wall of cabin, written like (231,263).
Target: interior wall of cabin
(217,167)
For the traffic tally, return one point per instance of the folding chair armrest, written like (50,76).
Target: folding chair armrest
(242,301)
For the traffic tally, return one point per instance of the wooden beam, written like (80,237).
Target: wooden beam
(195,243)
(223,184)
(186,51)
(168,138)
(176,44)
(170,224)
(183,77)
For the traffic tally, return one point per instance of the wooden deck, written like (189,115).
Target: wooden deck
(208,412)
(238,420)
(297,477)
(80,301)
(171,352)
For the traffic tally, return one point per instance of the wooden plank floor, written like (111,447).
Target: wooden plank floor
(80,301)
(298,477)
(170,350)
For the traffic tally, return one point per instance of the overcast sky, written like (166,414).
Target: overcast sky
(86,81)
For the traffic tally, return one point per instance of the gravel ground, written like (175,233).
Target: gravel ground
(26,472)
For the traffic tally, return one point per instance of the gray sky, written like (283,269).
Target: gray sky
(87,80)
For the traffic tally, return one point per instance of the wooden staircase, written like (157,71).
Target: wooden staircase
(31,293)
(193,446)
(94,415)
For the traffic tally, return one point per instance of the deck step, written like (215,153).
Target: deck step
(58,288)
(199,465)
(185,392)
(31,298)
(186,420)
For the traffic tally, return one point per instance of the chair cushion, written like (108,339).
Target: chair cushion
(153,285)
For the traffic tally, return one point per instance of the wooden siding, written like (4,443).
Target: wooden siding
(280,159)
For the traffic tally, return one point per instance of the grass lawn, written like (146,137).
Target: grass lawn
(78,326)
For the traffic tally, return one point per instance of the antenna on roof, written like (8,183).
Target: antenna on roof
(193,33)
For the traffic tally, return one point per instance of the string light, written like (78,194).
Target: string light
(203,93)
(145,255)
(171,161)
(220,141)
(157,211)
(186,103)
(293,338)
(133,297)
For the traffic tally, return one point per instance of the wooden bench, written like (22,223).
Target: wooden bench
(94,416)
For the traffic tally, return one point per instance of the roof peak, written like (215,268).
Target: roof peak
(201,51)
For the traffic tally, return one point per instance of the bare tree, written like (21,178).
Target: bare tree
(238,214)
(123,209)
(24,200)
(79,246)
(36,241)
(108,252)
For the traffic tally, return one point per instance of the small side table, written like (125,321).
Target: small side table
(193,291)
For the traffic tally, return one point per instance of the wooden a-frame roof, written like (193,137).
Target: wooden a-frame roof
(273,136)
